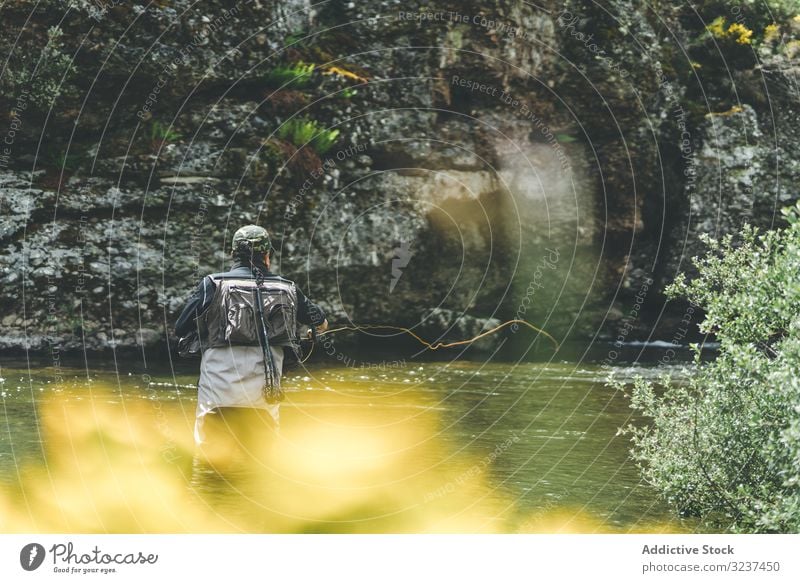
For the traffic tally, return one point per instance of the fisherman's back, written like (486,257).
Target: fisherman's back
(248,321)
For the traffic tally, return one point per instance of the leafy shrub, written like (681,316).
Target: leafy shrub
(726,445)
(43,73)
(736,36)
(736,32)
(304,131)
(782,39)
(754,14)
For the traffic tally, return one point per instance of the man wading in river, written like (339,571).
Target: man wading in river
(247,320)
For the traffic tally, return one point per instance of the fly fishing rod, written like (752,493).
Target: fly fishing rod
(432,345)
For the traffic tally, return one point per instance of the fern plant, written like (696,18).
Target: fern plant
(61,161)
(305,131)
(294,75)
(161,135)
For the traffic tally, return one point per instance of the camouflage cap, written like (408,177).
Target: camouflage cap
(252,237)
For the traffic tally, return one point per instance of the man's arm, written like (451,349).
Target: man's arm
(197,304)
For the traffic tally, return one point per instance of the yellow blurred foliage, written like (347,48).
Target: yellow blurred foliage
(117,465)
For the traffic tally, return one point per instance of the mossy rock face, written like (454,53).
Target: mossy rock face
(470,147)
(746,178)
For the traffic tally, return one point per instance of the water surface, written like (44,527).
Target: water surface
(403,447)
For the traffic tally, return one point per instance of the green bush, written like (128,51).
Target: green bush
(754,14)
(725,445)
(44,73)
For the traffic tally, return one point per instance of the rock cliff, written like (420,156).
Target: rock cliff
(443,166)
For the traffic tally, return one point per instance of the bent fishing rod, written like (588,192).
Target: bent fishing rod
(314,334)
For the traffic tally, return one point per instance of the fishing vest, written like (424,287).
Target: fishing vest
(233,317)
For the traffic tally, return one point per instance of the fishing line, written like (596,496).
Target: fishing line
(434,345)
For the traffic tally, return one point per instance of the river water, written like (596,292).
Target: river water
(401,447)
